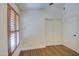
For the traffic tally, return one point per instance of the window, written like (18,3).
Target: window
(13,30)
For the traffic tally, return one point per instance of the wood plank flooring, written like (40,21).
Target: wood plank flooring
(58,50)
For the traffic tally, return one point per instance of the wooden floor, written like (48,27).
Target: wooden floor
(58,50)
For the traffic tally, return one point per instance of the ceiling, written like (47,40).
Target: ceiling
(36,6)
(25,6)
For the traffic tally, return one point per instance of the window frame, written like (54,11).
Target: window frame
(8,27)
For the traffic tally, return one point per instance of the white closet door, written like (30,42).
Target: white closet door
(50,32)
(53,32)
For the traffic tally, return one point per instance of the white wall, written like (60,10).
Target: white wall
(33,26)
(70,26)
(3,30)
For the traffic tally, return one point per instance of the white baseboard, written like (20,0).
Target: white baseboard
(35,47)
(28,48)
